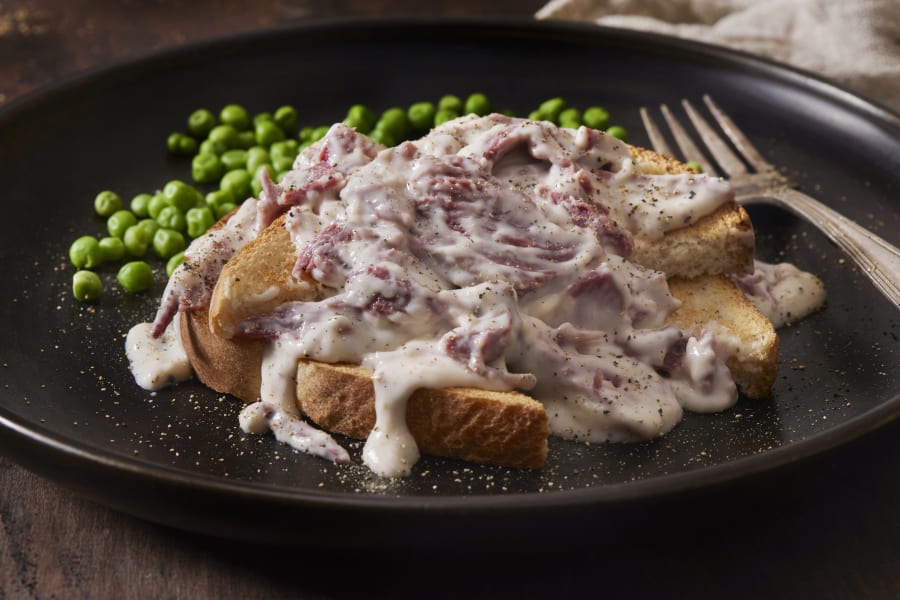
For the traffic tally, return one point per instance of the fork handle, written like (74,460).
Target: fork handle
(879,260)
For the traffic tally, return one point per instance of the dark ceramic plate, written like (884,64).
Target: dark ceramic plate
(70,410)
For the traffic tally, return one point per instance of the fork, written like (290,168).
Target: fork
(878,259)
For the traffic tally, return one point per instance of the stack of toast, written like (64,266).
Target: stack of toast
(496,427)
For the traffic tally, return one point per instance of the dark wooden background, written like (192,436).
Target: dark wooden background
(830,529)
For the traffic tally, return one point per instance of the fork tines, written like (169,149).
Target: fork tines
(719,149)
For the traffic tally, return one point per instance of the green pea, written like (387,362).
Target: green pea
(174,262)
(156,204)
(149,225)
(536,115)
(86,286)
(694,166)
(477,103)
(224,209)
(167,242)
(263,116)
(284,149)
(85,253)
(450,102)
(286,118)
(119,221)
(112,249)
(290,147)
(206,168)
(246,139)
(595,117)
(393,121)
(256,156)
(306,133)
(617,131)
(268,132)
(421,116)
(198,221)
(187,145)
(140,205)
(383,137)
(551,109)
(218,197)
(135,276)
(212,147)
(136,240)
(318,133)
(181,195)
(234,159)
(443,115)
(283,164)
(200,122)
(359,116)
(236,116)
(107,202)
(181,144)
(570,118)
(237,182)
(171,218)
(226,135)
(168,215)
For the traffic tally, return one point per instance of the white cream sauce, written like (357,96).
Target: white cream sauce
(492,253)
(157,362)
(782,292)
(277,411)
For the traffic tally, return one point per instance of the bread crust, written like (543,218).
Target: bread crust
(481,426)
(720,242)
(229,366)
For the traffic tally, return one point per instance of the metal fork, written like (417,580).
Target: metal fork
(878,259)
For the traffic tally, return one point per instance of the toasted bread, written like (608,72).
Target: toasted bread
(507,428)
(721,242)
(257,280)
(483,426)
(229,366)
(715,300)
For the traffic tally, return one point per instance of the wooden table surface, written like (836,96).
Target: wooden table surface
(829,529)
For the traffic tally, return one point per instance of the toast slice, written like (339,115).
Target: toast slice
(482,426)
(721,242)
(715,301)
(259,277)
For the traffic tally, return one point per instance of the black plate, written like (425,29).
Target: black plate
(70,410)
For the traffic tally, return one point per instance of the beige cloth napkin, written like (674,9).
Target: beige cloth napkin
(855,43)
